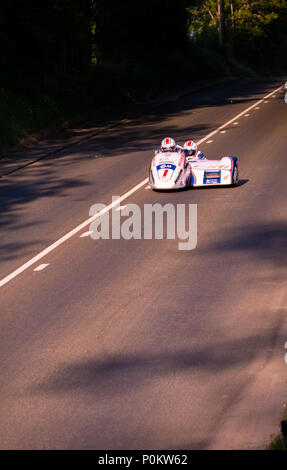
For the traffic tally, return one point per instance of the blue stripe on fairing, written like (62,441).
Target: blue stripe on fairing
(215,180)
(163,166)
(192,179)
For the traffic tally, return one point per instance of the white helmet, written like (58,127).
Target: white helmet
(191,147)
(168,145)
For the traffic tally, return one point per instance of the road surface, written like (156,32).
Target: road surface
(117,344)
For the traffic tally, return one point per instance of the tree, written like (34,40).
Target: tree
(140,31)
(50,36)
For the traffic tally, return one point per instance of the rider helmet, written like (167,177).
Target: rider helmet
(168,145)
(190,147)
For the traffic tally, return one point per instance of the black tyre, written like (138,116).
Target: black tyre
(235,176)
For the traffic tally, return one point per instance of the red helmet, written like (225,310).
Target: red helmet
(190,146)
(168,145)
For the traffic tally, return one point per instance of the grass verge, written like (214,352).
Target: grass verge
(278,442)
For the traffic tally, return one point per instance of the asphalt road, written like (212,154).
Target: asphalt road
(121,344)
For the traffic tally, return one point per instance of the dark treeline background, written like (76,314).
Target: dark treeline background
(62,57)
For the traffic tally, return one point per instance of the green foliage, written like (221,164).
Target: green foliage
(21,116)
(63,57)
(140,32)
(47,37)
(254,31)
(278,443)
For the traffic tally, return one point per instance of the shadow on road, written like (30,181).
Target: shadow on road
(262,241)
(118,373)
(143,131)
(16,194)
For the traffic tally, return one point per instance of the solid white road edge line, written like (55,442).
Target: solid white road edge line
(87,222)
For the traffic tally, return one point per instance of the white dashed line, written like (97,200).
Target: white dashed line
(147,187)
(209,141)
(70,234)
(235,123)
(222,132)
(246,115)
(238,115)
(41,267)
(85,234)
(88,221)
(120,208)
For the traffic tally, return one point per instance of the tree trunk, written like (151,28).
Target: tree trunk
(220,13)
(232,13)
